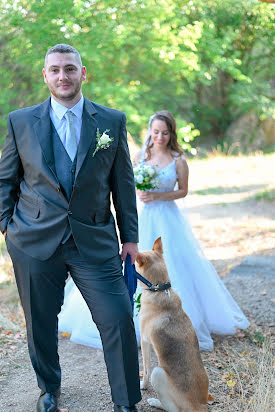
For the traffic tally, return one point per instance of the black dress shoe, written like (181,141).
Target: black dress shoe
(125,408)
(47,401)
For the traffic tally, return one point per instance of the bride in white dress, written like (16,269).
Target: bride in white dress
(204,296)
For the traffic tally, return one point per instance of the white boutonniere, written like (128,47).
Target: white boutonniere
(103,140)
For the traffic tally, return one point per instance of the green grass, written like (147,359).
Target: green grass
(210,191)
(267,194)
(218,190)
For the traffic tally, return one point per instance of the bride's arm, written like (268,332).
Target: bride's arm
(183,173)
(137,158)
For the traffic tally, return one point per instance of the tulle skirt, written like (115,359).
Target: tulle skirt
(204,296)
(75,318)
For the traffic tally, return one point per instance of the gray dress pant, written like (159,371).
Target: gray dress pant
(41,289)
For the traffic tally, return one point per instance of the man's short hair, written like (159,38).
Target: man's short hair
(63,48)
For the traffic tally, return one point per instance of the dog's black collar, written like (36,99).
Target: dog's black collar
(159,288)
(151,287)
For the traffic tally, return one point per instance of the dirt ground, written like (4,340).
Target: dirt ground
(232,214)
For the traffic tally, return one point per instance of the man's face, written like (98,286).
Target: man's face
(64,75)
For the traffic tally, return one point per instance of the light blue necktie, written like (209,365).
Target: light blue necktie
(70,143)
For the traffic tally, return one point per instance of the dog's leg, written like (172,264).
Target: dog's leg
(165,391)
(146,349)
(155,403)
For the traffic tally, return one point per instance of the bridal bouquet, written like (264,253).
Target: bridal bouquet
(145,177)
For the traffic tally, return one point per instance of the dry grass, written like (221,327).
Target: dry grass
(241,375)
(263,380)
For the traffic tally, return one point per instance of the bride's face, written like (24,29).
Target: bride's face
(160,134)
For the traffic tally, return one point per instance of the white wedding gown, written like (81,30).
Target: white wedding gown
(204,296)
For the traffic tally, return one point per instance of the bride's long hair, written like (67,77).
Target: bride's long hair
(173,145)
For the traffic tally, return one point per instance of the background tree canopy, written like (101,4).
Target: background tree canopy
(206,61)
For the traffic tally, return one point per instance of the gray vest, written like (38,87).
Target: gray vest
(65,171)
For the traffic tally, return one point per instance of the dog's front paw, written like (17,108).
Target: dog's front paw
(143,384)
(155,403)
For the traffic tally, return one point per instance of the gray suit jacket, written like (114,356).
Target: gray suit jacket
(34,210)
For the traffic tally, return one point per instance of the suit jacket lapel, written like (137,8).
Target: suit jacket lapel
(88,133)
(43,131)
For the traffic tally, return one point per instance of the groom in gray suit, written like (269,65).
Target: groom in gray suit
(61,161)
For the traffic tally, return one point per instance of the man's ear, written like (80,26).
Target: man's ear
(83,73)
(158,246)
(44,75)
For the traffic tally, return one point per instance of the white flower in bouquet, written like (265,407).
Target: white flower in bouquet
(151,172)
(145,177)
(139,179)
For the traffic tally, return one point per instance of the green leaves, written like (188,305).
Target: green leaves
(206,61)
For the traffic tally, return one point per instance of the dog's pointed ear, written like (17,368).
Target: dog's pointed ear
(140,259)
(158,246)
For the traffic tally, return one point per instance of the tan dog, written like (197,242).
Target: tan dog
(180,380)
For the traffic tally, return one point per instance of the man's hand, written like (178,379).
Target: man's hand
(130,249)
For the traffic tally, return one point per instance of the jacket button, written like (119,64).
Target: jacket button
(58,189)
(70,212)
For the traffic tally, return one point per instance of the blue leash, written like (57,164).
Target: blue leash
(131,275)
(130,279)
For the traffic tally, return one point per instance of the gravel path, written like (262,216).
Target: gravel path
(252,284)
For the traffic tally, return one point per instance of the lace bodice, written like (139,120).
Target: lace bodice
(167,178)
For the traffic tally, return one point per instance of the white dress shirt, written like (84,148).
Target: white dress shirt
(57,112)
